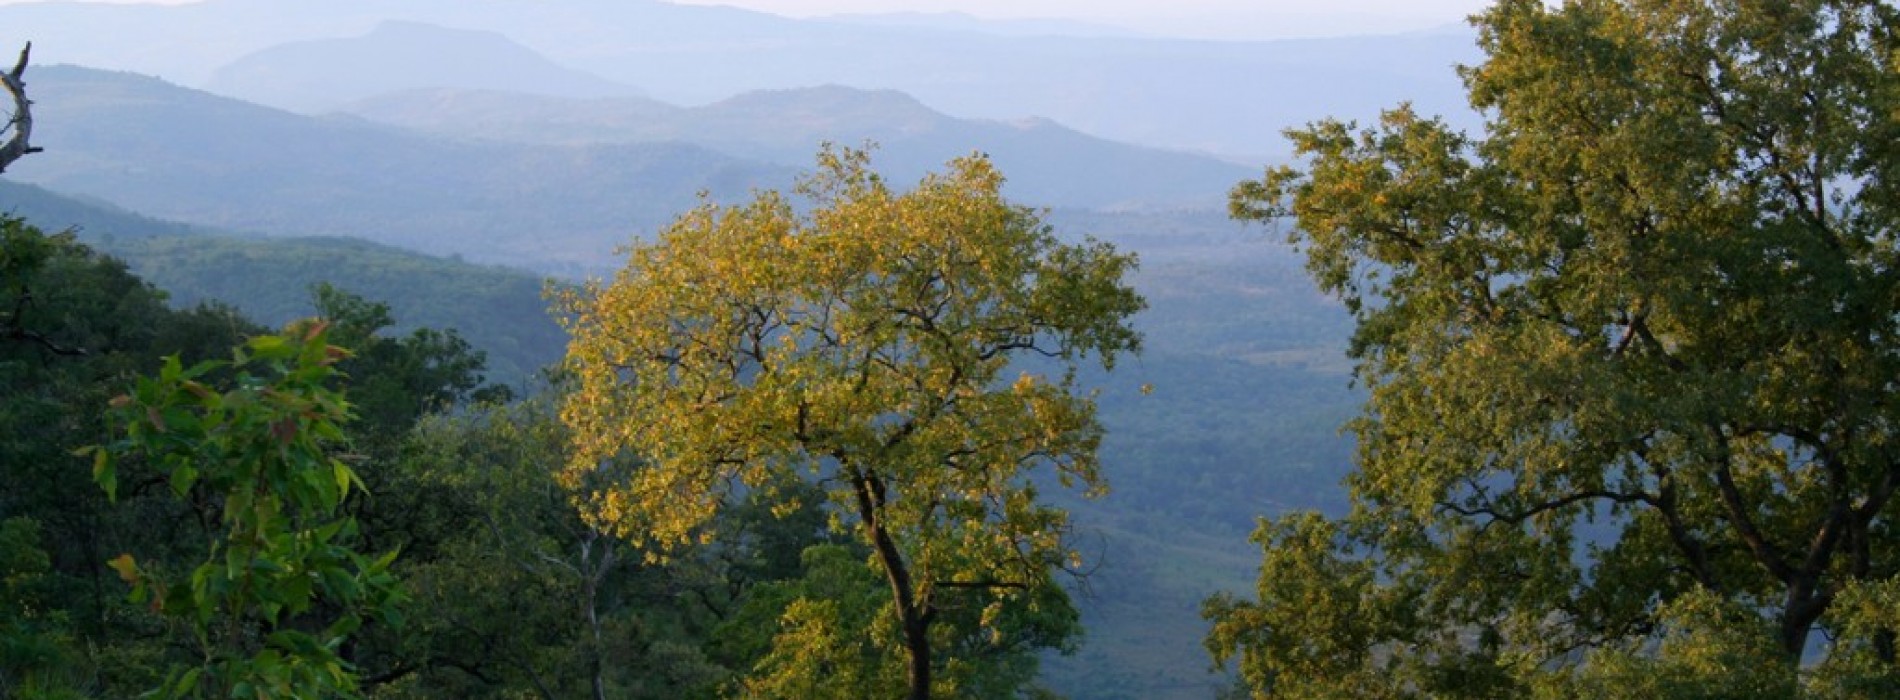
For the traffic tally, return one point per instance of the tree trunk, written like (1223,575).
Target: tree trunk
(1804,606)
(917,645)
(912,617)
(591,573)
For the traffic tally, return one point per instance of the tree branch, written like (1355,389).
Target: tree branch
(55,348)
(1738,513)
(1518,517)
(17,144)
(987,584)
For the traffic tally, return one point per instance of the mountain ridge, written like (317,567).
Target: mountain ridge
(200,158)
(1228,98)
(318,74)
(1048,163)
(209,160)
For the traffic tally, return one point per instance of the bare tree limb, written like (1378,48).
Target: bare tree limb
(19,129)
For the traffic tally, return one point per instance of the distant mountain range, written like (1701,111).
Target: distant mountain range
(555,184)
(964,21)
(195,157)
(1048,164)
(321,73)
(1230,98)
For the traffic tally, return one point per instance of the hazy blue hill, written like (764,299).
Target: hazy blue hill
(195,157)
(508,116)
(1225,97)
(500,310)
(398,55)
(1047,163)
(562,204)
(92,220)
(966,22)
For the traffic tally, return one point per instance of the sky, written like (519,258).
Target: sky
(1204,19)
(1214,19)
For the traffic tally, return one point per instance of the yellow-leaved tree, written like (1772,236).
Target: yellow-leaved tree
(863,340)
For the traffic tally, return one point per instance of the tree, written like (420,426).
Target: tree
(73,325)
(521,594)
(1631,360)
(394,382)
(254,459)
(862,345)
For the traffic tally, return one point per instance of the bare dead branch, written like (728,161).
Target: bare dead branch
(18,129)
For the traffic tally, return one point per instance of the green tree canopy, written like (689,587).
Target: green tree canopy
(74,325)
(861,343)
(254,458)
(1631,357)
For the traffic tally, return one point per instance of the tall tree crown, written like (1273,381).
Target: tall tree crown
(861,342)
(1630,352)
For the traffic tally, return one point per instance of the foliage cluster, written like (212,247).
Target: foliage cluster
(861,344)
(1631,360)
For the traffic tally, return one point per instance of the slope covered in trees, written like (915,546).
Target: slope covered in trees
(492,555)
(1240,352)
(500,310)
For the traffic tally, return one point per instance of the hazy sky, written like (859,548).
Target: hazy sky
(1220,19)
(1234,19)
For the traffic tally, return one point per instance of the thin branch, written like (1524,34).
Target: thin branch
(987,584)
(55,348)
(1518,517)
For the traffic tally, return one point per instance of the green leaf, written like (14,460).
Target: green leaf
(182,478)
(343,476)
(188,683)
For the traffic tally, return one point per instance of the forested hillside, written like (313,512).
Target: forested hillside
(477,534)
(500,310)
(1233,323)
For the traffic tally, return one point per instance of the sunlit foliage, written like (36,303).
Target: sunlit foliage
(863,339)
(1632,359)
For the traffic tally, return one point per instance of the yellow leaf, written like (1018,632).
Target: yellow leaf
(127,568)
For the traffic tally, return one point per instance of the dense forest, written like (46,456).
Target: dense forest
(424,475)
(1625,428)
